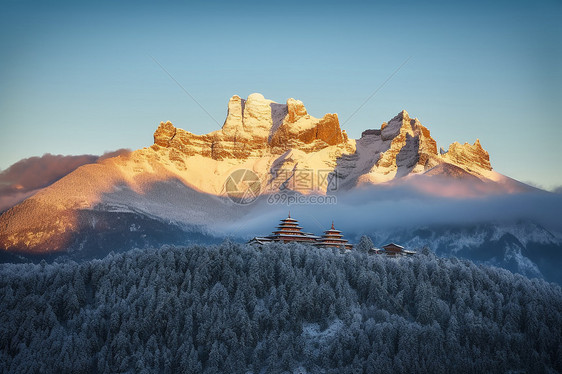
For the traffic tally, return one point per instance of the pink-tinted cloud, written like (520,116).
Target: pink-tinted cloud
(458,188)
(29,175)
(119,152)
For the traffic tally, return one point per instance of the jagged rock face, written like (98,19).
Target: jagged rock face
(165,133)
(411,148)
(403,146)
(256,127)
(295,109)
(473,156)
(309,139)
(181,178)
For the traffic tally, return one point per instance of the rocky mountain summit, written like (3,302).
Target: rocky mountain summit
(404,146)
(259,132)
(256,127)
(180,179)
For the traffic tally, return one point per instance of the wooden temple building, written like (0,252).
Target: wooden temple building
(290,231)
(333,238)
(392,250)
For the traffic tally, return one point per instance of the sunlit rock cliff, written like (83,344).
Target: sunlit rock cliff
(180,179)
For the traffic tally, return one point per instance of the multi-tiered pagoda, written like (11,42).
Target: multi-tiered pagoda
(333,238)
(287,231)
(290,231)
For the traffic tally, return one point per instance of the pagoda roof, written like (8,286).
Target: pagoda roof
(393,245)
(332,236)
(295,232)
(259,240)
(332,230)
(290,227)
(284,229)
(289,219)
(290,235)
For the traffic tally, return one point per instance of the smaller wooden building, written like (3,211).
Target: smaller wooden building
(394,250)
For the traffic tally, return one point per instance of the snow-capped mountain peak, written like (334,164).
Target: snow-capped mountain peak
(181,177)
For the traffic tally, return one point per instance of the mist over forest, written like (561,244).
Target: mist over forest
(371,208)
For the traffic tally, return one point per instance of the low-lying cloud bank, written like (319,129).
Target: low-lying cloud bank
(406,205)
(27,176)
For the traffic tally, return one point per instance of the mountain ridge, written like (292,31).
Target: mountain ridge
(258,135)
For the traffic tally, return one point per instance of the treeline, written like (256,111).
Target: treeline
(232,309)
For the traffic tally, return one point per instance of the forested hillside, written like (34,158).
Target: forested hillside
(233,309)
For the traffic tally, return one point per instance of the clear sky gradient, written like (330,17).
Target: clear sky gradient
(78,78)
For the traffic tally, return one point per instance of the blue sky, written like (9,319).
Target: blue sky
(78,78)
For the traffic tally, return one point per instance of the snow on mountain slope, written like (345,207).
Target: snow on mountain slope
(136,184)
(180,179)
(523,247)
(403,147)
(456,238)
